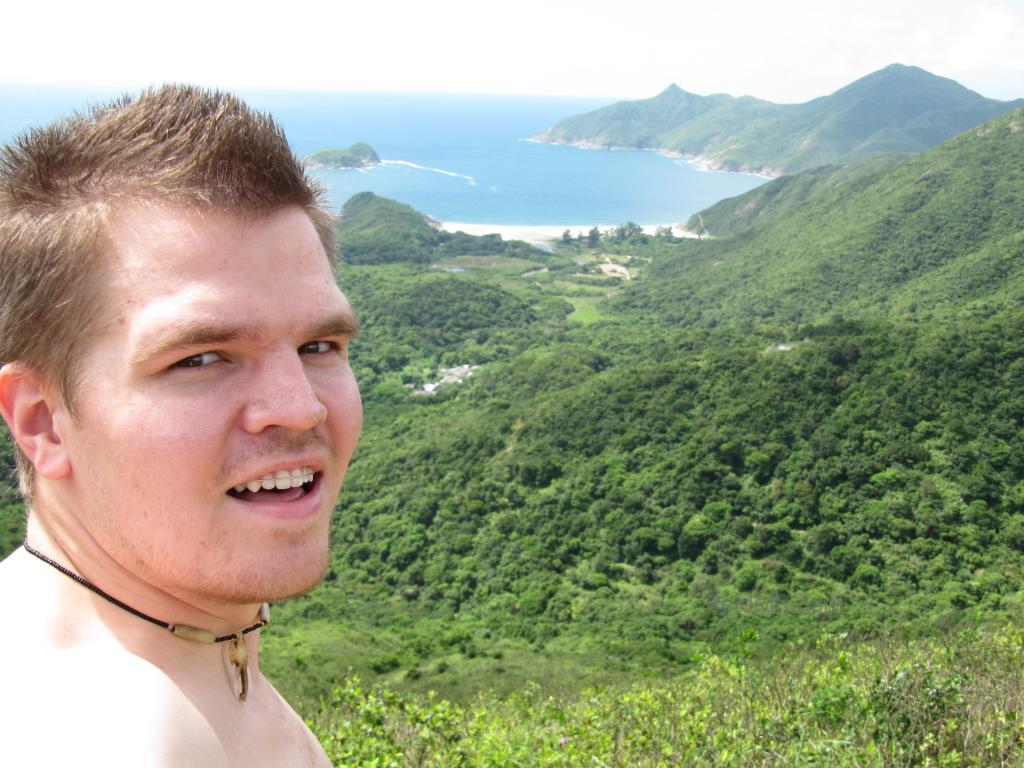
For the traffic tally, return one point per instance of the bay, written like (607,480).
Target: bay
(464,158)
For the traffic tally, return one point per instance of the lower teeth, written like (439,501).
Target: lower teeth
(305,487)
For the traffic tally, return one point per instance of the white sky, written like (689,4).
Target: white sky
(784,51)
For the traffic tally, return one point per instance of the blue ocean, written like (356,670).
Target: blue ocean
(459,158)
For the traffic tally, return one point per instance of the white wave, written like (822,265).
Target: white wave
(453,174)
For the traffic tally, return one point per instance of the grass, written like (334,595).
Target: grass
(511,264)
(585,309)
(949,702)
(307,663)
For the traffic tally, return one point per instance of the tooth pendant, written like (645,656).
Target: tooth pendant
(238,655)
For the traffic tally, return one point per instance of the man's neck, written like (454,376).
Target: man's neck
(79,554)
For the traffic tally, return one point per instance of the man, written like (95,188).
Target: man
(175,378)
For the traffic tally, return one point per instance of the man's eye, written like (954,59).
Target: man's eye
(317,347)
(198,361)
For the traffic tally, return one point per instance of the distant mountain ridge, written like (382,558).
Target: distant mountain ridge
(940,232)
(898,109)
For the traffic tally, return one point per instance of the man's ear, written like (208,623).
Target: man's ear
(29,407)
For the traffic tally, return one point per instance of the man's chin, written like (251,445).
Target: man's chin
(267,581)
(296,588)
(293,581)
(289,566)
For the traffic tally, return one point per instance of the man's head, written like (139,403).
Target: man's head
(174,341)
(60,186)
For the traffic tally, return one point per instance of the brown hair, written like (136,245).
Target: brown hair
(60,183)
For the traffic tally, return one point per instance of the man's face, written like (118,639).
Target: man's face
(224,364)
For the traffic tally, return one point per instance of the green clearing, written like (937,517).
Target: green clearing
(585,309)
(505,264)
(576,287)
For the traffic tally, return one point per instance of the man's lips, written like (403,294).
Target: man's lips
(305,502)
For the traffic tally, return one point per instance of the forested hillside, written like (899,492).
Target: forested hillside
(783,196)
(376,230)
(812,424)
(898,109)
(941,232)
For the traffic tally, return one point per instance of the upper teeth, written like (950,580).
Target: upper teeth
(282,480)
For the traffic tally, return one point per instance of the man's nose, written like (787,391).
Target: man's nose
(282,395)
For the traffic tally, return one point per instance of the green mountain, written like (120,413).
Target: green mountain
(377,230)
(635,123)
(359,155)
(898,109)
(781,197)
(940,232)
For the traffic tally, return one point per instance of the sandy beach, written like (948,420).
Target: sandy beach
(543,235)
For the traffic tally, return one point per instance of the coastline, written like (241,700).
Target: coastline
(700,162)
(315,165)
(542,235)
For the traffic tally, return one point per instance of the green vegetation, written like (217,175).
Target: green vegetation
(783,197)
(585,309)
(634,513)
(376,230)
(954,702)
(12,513)
(624,496)
(939,233)
(359,155)
(898,109)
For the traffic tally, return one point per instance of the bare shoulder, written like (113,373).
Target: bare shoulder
(79,698)
(77,706)
(78,693)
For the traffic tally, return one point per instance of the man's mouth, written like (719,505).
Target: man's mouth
(283,485)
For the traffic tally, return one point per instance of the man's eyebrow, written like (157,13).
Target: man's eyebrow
(198,332)
(341,324)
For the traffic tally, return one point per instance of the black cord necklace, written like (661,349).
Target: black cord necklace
(237,652)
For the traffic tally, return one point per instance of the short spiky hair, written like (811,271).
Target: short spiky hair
(59,185)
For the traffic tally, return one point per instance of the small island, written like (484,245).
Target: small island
(359,155)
